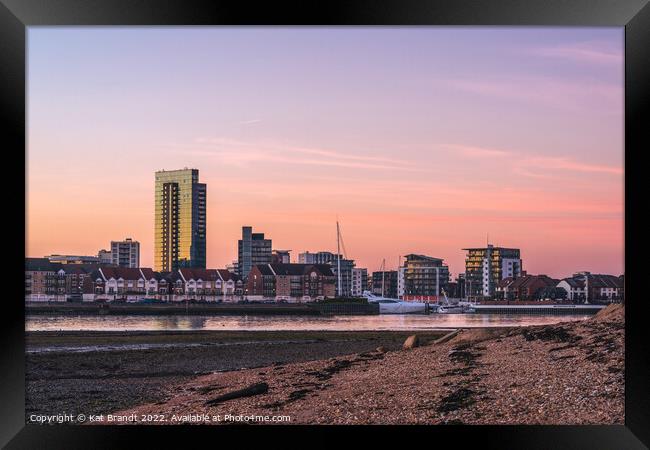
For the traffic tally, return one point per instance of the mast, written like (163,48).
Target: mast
(383,272)
(338,257)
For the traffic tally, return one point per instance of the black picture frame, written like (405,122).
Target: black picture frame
(634,15)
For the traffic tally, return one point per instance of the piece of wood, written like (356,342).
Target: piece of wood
(254,389)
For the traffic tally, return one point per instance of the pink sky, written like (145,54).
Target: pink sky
(413,140)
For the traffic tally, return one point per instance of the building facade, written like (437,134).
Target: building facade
(72,259)
(585,287)
(180,220)
(105,257)
(525,288)
(281,257)
(359,281)
(385,283)
(316,258)
(485,267)
(253,249)
(290,282)
(423,278)
(44,281)
(125,253)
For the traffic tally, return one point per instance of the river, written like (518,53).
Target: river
(286,323)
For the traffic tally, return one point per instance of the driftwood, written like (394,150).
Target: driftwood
(254,389)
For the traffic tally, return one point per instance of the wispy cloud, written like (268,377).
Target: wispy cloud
(249,122)
(241,153)
(572,96)
(479,152)
(589,52)
(526,164)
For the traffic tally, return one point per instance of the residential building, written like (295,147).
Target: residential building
(73,259)
(316,258)
(180,220)
(290,282)
(424,278)
(125,253)
(253,250)
(281,257)
(44,280)
(593,288)
(486,266)
(525,288)
(385,283)
(105,257)
(359,281)
(347,265)
(210,285)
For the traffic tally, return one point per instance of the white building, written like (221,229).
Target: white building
(125,253)
(359,281)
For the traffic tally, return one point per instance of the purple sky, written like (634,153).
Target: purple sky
(419,139)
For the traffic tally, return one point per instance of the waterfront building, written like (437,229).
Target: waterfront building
(525,288)
(317,258)
(210,285)
(593,288)
(125,253)
(281,257)
(424,277)
(105,257)
(180,220)
(359,281)
(253,250)
(486,266)
(347,265)
(385,282)
(333,260)
(290,282)
(73,259)
(44,280)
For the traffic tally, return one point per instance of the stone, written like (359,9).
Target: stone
(411,342)
(381,350)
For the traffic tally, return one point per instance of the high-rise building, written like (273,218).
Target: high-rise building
(486,266)
(253,250)
(422,277)
(180,220)
(125,253)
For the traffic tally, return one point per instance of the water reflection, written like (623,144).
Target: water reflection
(285,323)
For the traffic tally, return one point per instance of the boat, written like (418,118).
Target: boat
(394,305)
(459,308)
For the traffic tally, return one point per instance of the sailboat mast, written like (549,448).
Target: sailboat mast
(338,257)
(383,272)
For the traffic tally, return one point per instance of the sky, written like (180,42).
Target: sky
(417,139)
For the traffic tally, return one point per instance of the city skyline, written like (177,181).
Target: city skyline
(414,141)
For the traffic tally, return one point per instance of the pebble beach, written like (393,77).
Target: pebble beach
(569,374)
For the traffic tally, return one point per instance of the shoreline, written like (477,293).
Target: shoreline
(99,382)
(563,374)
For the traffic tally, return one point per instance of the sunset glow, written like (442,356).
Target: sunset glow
(417,139)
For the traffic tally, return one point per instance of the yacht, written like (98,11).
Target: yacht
(394,305)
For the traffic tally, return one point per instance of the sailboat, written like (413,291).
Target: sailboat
(449,308)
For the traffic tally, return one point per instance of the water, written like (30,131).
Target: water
(289,323)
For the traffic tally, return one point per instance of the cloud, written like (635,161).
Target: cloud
(589,52)
(525,164)
(241,153)
(479,152)
(574,96)
(249,122)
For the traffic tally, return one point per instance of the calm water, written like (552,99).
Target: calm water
(270,323)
